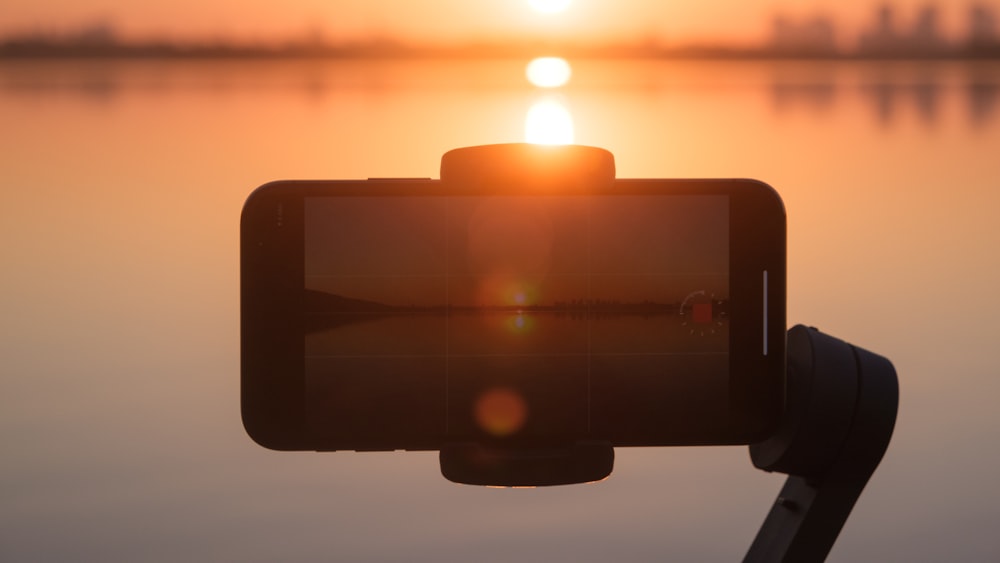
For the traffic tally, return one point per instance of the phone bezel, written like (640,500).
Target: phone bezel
(272,262)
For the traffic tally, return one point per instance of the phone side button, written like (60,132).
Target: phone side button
(765,312)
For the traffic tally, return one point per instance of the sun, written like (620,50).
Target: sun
(549,6)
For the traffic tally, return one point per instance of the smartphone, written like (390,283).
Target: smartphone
(407,314)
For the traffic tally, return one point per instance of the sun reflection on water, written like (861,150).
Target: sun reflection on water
(548,72)
(549,122)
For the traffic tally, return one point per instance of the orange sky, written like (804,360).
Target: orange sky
(735,21)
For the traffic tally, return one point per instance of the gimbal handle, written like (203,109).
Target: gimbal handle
(842,402)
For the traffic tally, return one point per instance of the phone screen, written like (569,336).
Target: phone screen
(412,314)
(529,318)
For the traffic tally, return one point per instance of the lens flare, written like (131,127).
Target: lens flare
(549,123)
(521,324)
(549,6)
(501,411)
(548,72)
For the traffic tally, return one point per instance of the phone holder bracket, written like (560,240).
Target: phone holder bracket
(528,167)
(477,464)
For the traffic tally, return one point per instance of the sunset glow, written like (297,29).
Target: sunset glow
(549,6)
(122,271)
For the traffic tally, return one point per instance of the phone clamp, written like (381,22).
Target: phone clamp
(528,167)
(479,464)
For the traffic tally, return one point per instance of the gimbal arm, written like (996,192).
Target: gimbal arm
(842,408)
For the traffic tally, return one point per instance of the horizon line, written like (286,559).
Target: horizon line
(40,47)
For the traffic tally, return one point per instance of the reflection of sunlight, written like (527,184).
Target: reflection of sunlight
(548,123)
(520,324)
(548,72)
(549,6)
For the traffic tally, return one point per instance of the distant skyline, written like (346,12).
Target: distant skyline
(890,32)
(452,21)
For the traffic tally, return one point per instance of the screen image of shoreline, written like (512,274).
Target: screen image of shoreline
(432,318)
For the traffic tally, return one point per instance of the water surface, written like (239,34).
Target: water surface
(123,183)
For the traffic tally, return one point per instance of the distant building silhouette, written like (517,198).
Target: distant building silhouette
(883,36)
(982,25)
(983,37)
(885,39)
(812,37)
(97,33)
(926,33)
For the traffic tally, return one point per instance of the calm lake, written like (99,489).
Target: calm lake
(123,183)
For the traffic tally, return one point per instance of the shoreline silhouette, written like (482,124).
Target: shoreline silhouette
(328,310)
